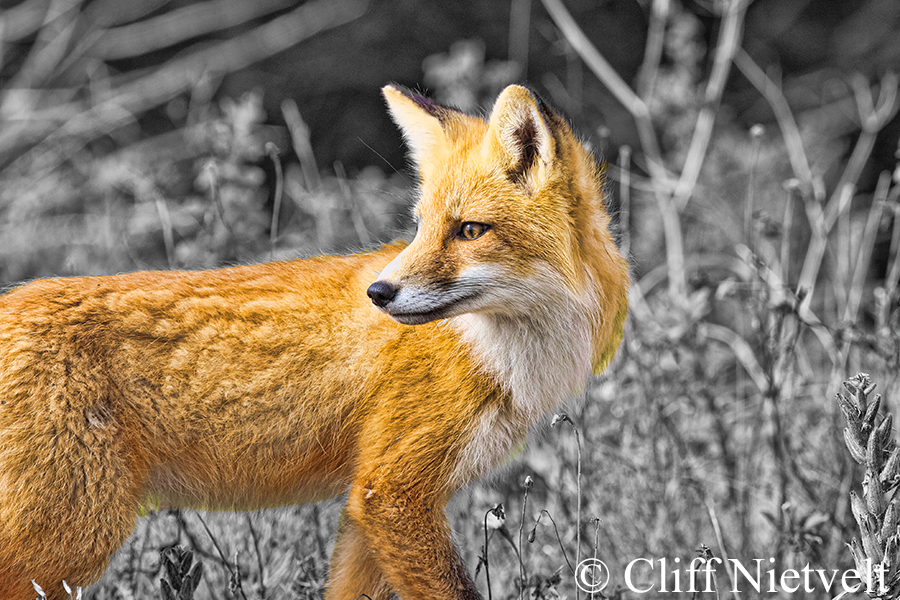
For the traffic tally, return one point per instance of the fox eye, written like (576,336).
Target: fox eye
(471,230)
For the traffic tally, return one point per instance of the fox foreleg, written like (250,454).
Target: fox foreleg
(397,541)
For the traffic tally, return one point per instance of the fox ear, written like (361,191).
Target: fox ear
(419,119)
(518,124)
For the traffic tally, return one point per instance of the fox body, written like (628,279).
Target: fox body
(283,383)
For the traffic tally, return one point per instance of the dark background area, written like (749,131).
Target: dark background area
(333,75)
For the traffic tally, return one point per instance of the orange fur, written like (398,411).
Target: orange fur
(281,383)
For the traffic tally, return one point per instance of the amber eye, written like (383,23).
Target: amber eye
(471,231)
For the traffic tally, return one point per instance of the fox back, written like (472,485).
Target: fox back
(397,376)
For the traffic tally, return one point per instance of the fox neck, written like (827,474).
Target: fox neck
(541,356)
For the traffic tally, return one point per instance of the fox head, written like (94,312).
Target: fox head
(511,220)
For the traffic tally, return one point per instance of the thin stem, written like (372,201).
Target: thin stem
(359,225)
(647,135)
(272,151)
(625,198)
(259,559)
(558,538)
(729,42)
(793,142)
(523,576)
(867,244)
(714,521)
(178,25)
(484,555)
(756,134)
(300,137)
(235,577)
(653,49)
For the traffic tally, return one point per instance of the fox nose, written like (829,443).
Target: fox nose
(381,292)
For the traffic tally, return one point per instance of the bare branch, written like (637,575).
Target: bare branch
(24,19)
(608,76)
(729,42)
(128,98)
(641,115)
(179,25)
(783,115)
(656,37)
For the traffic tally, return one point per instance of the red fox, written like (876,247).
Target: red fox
(400,375)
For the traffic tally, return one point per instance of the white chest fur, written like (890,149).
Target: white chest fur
(540,361)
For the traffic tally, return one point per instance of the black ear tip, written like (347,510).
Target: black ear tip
(431,107)
(426,103)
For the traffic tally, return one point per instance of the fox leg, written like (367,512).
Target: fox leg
(403,537)
(14,582)
(68,500)
(353,571)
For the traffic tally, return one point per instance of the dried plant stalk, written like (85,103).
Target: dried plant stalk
(869,438)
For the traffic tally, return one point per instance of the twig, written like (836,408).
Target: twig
(59,24)
(77,130)
(821,226)
(259,559)
(109,13)
(625,198)
(717,529)
(321,544)
(272,151)
(873,117)
(641,115)
(793,142)
(359,225)
(608,76)
(653,50)
(180,24)
(135,93)
(523,576)
(22,20)
(893,270)
(145,190)
(866,246)
(556,419)
(729,41)
(787,225)
(235,577)
(777,286)
(210,172)
(531,536)
(302,145)
(756,134)
(706,556)
(165,220)
(497,511)
(596,522)
(741,350)
(236,53)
